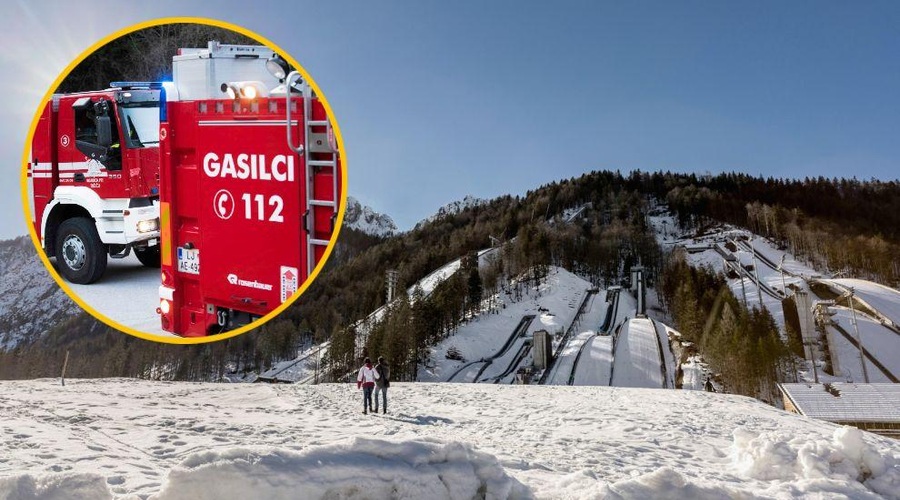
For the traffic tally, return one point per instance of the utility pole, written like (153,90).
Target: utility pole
(862,358)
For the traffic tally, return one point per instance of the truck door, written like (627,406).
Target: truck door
(90,153)
(252,189)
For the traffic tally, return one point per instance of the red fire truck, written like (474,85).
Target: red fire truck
(248,185)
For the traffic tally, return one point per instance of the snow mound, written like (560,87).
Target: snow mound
(363,468)
(55,487)
(664,483)
(846,464)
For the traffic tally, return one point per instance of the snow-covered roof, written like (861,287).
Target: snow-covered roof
(846,402)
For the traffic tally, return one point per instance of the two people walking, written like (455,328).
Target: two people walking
(374,379)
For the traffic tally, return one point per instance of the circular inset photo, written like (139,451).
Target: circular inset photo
(184,180)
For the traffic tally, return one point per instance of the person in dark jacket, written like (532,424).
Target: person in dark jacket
(382,382)
(366,380)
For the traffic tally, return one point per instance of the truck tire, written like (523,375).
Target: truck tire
(148,256)
(80,255)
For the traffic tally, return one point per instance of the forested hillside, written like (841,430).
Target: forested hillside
(838,224)
(834,223)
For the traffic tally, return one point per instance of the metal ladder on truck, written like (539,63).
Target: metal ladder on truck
(319,151)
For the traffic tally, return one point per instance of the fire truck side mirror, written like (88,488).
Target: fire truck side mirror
(104,131)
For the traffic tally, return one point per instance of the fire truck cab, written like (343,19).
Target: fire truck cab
(94,179)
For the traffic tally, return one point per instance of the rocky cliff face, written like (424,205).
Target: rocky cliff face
(30,301)
(363,218)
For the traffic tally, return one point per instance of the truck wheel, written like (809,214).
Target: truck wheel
(148,256)
(80,254)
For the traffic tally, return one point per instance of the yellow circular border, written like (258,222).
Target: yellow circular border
(29,216)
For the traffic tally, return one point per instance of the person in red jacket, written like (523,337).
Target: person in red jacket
(366,379)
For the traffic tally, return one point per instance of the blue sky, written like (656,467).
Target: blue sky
(437,100)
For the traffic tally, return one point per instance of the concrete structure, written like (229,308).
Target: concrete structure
(636,276)
(542,346)
(870,407)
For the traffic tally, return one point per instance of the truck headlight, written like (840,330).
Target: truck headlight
(148,226)
(245,90)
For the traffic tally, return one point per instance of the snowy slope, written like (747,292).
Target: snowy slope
(364,218)
(882,342)
(554,304)
(304,368)
(637,356)
(30,301)
(589,356)
(135,439)
(885,300)
(596,362)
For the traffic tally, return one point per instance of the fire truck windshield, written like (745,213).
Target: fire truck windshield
(140,124)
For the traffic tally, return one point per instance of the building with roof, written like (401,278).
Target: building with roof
(870,407)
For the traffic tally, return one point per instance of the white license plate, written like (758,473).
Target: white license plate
(189,260)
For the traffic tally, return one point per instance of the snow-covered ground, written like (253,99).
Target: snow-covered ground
(122,438)
(128,294)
